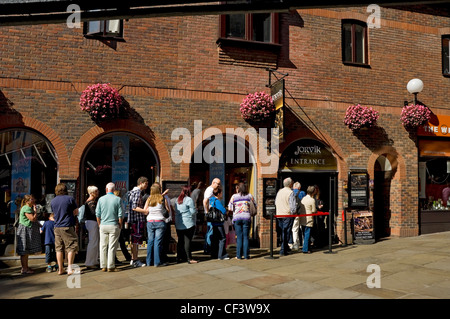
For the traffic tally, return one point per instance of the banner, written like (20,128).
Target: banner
(121,163)
(21,169)
(277,92)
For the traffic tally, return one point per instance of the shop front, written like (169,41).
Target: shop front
(119,157)
(434,175)
(28,165)
(310,162)
(229,158)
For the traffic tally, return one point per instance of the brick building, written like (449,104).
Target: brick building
(174,71)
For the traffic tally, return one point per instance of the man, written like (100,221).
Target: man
(137,220)
(294,242)
(109,218)
(197,197)
(64,209)
(283,208)
(215,184)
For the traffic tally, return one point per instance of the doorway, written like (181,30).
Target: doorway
(327,184)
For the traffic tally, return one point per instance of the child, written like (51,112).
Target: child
(49,242)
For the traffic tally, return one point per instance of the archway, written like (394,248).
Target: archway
(120,157)
(383,173)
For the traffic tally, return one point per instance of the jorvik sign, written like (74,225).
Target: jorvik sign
(308,154)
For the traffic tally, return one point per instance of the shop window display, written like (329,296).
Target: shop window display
(28,165)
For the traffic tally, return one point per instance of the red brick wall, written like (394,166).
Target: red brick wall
(172,72)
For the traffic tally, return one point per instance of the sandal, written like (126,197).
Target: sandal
(27,272)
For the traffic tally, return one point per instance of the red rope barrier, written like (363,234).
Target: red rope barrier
(316,214)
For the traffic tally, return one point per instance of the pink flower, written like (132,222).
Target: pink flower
(358,116)
(257,106)
(100,100)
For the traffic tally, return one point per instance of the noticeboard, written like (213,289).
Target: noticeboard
(358,189)
(270,189)
(363,227)
(174,188)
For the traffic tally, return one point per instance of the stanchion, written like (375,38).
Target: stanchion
(329,236)
(271,238)
(344,220)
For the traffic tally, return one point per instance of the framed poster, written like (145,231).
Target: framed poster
(363,229)
(358,189)
(270,189)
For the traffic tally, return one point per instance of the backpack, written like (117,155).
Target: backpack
(299,207)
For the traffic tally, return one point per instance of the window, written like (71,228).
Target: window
(112,29)
(446,55)
(258,27)
(354,42)
(109,29)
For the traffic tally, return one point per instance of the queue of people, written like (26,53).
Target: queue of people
(150,218)
(289,201)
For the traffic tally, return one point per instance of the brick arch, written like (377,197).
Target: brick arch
(200,137)
(329,141)
(14,121)
(128,126)
(398,164)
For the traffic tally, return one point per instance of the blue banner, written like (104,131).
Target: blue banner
(21,169)
(121,163)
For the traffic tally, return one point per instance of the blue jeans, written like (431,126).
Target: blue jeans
(306,233)
(286,229)
(218,241)
(155,232)
(242,228)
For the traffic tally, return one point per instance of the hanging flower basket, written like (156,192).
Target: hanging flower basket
(101,101)
(415,115)
(357,117)
(257,106)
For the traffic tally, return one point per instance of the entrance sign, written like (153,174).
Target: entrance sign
(308,155)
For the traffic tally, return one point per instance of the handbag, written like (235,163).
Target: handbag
(214,215)
(253,210)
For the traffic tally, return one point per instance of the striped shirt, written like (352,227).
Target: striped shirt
(240,206)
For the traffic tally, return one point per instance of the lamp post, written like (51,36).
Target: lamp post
(415,86)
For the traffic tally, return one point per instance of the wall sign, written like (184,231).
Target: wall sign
(438,125)
(358,189)
(277,92)
(270,189)
(308,154)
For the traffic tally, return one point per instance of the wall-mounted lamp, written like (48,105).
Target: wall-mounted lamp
(415,86)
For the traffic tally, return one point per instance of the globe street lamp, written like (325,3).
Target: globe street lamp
(415,86)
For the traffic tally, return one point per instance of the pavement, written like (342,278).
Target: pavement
(393,268)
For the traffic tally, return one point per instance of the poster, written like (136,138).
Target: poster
(358,189)
(363,227)
(21,170)
(121,164)
(269,194)
(277,92)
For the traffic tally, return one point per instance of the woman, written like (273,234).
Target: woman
(240,206)
(92,250)
(28,233)
(307,222)
(185,217)
(155,225)
(219,238)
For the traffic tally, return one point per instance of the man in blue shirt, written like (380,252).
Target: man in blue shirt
(64,209)
(109,217)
